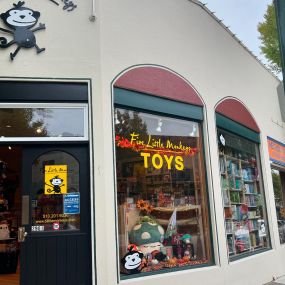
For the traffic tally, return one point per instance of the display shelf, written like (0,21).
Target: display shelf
(239,188)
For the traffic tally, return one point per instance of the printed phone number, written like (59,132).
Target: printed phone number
(52,216)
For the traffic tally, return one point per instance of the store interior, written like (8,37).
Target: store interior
(10,213)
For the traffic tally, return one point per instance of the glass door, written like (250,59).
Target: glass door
(55,227)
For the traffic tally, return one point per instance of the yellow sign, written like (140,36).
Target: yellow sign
(158,160)
(55,179)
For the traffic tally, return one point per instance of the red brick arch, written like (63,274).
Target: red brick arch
(159,82)
(237,111)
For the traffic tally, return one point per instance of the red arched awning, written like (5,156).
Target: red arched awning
(236,111)
(160,82)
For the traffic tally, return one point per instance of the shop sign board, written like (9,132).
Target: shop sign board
(55,179)
(71,203)
(276,151)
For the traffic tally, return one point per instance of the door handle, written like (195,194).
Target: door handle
(22,234)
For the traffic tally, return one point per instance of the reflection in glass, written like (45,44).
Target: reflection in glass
(161,191)
(42,122)
(278,178)
(48,213)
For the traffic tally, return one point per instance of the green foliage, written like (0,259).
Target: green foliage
(277,185)
(269,39)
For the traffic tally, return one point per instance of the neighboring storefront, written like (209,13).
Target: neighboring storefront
(136,148)
(277,157)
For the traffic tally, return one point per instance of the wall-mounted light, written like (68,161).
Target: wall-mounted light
(159,125)
(193,133)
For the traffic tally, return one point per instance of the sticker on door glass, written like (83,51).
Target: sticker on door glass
(38,228)
(55,179)
(71,203)
(55,226)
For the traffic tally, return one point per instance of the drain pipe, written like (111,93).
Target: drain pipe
(93,17)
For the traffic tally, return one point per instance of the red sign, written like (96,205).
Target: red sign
(276,151)
(55,226)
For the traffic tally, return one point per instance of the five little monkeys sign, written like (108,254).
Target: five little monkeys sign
(20,20)
(157,152)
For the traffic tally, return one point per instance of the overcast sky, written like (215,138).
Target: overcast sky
(242,17)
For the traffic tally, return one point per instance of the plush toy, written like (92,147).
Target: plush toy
(148,236)
(4,230)
(132,261)
(188,246)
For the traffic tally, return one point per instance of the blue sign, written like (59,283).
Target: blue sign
(71,202)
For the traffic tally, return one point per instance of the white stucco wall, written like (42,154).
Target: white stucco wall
(181,36)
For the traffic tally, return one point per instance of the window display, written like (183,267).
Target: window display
(243,196)
(163,219)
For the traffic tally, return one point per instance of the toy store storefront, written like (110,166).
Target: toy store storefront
(163,209)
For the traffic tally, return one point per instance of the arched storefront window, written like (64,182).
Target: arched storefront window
(161,189)
(241,180)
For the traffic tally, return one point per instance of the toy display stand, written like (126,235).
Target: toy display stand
(8,255)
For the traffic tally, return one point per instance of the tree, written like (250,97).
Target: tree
(22,122)
(269,39)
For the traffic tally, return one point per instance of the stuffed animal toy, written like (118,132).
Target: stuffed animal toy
(132,261)
(188,246)
(4,230)
(148,236)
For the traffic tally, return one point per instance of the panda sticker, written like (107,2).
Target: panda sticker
(132,261)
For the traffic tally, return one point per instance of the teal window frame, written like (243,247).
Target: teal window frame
(133,99)
(236,128)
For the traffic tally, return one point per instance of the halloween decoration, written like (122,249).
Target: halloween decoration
(132,261)
(21,19)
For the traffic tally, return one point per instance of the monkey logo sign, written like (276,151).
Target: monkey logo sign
(55,179)
(20,21)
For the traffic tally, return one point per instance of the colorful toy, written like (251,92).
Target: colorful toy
(147,235)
